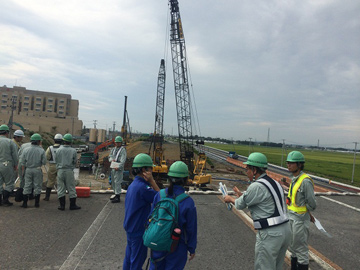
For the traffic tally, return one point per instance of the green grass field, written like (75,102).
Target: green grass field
(333,165)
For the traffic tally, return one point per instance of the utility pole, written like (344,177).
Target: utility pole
(282,152)
(13,101)
(353,171)
(268,137)
(95,124)
(249,145)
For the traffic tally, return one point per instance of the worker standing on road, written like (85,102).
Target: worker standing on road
(187,220)
(51,173)
(65,159)
(8,165)
(31,161)
(301,200)
(266,202)
(117,158)
(139,197)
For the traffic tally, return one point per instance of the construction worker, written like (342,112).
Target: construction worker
(266,202)
(117,158)
(65,159)
(8,165)
(18,137)
(51,173)
(139,197)
(31,161)
(301,200)
(187,220)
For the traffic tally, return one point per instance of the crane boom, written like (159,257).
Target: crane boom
(182,92)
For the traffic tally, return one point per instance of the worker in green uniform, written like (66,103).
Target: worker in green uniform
(266,201)
(51,173)
(8,165)
(301,200)
(117,160)
(31,161)
(65,159)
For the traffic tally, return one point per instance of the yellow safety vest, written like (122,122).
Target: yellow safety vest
(292,195)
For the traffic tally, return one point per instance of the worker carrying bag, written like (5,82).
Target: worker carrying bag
(162,222)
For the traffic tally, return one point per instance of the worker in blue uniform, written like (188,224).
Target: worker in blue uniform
(162,260)
(266,202)
(139,197)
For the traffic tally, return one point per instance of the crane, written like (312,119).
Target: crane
(182,99)
(160,169)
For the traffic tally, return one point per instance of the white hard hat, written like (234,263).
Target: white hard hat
(19,133)
(58,137)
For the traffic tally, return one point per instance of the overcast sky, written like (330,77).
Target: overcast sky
(288,66)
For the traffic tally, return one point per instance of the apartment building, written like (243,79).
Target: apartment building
(40,111)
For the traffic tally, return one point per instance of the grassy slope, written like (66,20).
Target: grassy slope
(333,165)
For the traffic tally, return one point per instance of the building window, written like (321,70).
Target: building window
(37,110)
(61,107)
(4,95)
(26,109)
(38,99)
(4,101)
(61,112)
(3,106)
(62,101)
(26,103)
(50,100)
(38,104)
(49,110)
(50,105)
(26,98)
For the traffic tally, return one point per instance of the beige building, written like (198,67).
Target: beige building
(40,111)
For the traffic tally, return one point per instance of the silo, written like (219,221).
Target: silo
(93,135)
(101,135)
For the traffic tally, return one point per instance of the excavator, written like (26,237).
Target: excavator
(156,150)
(196,167)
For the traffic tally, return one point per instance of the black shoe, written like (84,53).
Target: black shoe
(6,199)
(73,205)
(47,194)
(25,200)
(62,203)
(116,199)
(37,201)
(112,197)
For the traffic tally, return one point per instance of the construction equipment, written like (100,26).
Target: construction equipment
(125,128)
(156,150)
(183,102)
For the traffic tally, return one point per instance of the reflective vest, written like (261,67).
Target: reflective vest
(53,149)
(280,214)
(291,198)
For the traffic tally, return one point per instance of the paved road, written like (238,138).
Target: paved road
(93,237)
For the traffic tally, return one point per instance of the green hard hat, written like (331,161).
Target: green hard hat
(178,169)
(142,160)
(68,137)
(118,139)
(35,137)
(295,156)
(257,159)
(4,128)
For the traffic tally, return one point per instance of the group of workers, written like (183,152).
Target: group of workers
(25,163)
(281,223)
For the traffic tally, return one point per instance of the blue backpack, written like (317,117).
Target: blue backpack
(163,220)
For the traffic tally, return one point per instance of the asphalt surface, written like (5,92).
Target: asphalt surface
(93,237)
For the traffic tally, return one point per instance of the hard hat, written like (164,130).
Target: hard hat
(257,159)
(58,137)
(178,169)
(68,137)
(118,139)
(35,137)
(142,160)
(4,128)
(19,133)
(295,156)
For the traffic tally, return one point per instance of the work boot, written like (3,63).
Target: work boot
(62,203)
(112,197)
(303,266)
(294,263)
(25,200)
(6,199)
(116,199)
(31,196)
(47,194)
(73,205)
(0,199)
(37,201)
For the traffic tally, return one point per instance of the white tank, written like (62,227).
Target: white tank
(101,135)
(93,135)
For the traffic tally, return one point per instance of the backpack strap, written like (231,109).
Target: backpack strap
(162,193)
(181,197)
